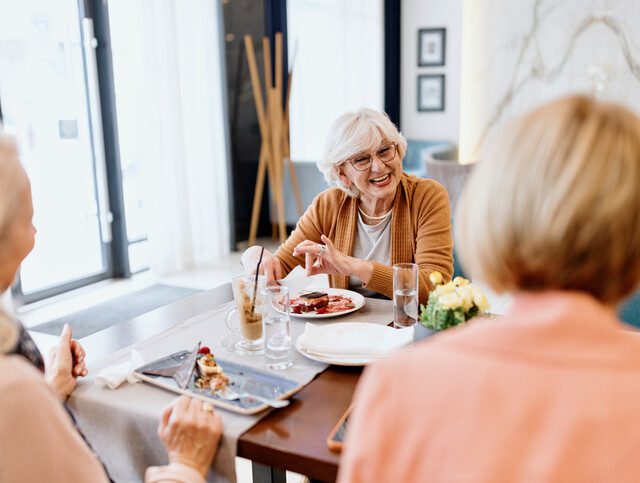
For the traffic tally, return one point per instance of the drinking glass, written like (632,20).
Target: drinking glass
(405,294)
(247,323)
(277,333)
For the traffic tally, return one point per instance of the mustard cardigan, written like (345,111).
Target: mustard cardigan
(420,233)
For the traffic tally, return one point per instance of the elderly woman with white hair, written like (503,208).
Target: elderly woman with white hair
(38,440)
(372,217)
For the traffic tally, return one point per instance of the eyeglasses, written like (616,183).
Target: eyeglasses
(384,154)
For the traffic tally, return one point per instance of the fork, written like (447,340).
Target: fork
(232,396)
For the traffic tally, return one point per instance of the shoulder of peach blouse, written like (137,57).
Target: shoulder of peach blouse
(15,369)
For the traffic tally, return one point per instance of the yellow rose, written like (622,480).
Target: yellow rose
(466,297)
(460,281)
(481,301)
(436,278)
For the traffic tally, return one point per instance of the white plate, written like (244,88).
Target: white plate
(337,361)
(356,298)
(363,332)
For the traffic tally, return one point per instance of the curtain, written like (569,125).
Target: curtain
(338,66)
(170,103)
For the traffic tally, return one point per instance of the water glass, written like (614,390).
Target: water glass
(277,333)
(405,294)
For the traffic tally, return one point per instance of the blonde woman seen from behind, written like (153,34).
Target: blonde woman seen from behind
(551,391)
(38,440)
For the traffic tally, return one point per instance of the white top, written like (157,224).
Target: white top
(372,242)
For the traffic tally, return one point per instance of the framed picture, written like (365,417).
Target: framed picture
(430,92)
(431,47)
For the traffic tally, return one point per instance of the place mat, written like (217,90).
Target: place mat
(121,424)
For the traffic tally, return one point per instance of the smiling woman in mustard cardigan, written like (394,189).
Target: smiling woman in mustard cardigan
(373,217)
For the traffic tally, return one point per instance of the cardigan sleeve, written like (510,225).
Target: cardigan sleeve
(309,227)
(430,214)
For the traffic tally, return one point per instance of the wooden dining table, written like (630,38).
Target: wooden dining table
(295,438)
(289,439)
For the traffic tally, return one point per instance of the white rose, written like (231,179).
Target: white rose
(446,288)
(481,301)
(449,300)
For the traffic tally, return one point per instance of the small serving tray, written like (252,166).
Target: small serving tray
(242,379)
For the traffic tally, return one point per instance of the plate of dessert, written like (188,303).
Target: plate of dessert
(320,304)
(206,377)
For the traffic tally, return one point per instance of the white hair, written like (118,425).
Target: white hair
(354,133)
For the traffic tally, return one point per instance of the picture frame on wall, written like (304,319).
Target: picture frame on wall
(431,89)
(431,47)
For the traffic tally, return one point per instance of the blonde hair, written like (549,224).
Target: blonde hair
(9,333)
(12,181)
(353,133)
(555,204)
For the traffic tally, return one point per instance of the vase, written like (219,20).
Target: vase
(421,332)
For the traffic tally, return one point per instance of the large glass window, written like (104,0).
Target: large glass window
(46,91)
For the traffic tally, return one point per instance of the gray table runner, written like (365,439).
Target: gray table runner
(121,424)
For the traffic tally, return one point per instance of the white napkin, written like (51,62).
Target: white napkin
(353,339)
(297,280)
(113,376)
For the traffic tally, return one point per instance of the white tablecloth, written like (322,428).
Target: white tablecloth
(121,424)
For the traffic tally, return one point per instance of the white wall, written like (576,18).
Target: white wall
(417,14)
(520,53)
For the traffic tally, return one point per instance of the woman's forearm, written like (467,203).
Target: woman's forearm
(361,269)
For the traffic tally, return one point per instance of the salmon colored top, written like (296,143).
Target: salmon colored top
(548,393)
(38,441)
(420,233)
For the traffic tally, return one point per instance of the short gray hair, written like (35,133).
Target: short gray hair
(353,133)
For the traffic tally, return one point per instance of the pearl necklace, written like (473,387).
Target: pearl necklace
(377,218)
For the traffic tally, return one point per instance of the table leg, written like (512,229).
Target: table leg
(267,474)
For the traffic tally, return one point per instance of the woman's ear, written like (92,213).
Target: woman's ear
(339,170)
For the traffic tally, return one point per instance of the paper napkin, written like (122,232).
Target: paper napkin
(297,280)
(113,376)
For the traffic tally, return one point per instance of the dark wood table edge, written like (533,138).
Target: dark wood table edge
(261,443)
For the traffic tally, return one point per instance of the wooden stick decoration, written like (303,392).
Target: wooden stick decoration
(273,120)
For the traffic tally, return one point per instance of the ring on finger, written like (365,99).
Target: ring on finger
(207,407)
(323,249)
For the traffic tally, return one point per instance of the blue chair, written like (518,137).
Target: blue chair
(629,311)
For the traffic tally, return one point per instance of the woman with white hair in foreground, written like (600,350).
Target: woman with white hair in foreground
(551,391)
(372,217)
(38,440)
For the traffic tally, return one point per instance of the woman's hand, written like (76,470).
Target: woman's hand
(190,431)
(327,259)
(270,266)
(66,363)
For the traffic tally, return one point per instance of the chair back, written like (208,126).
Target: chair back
(443,167)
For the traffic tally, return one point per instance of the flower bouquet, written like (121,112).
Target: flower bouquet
(451,303)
